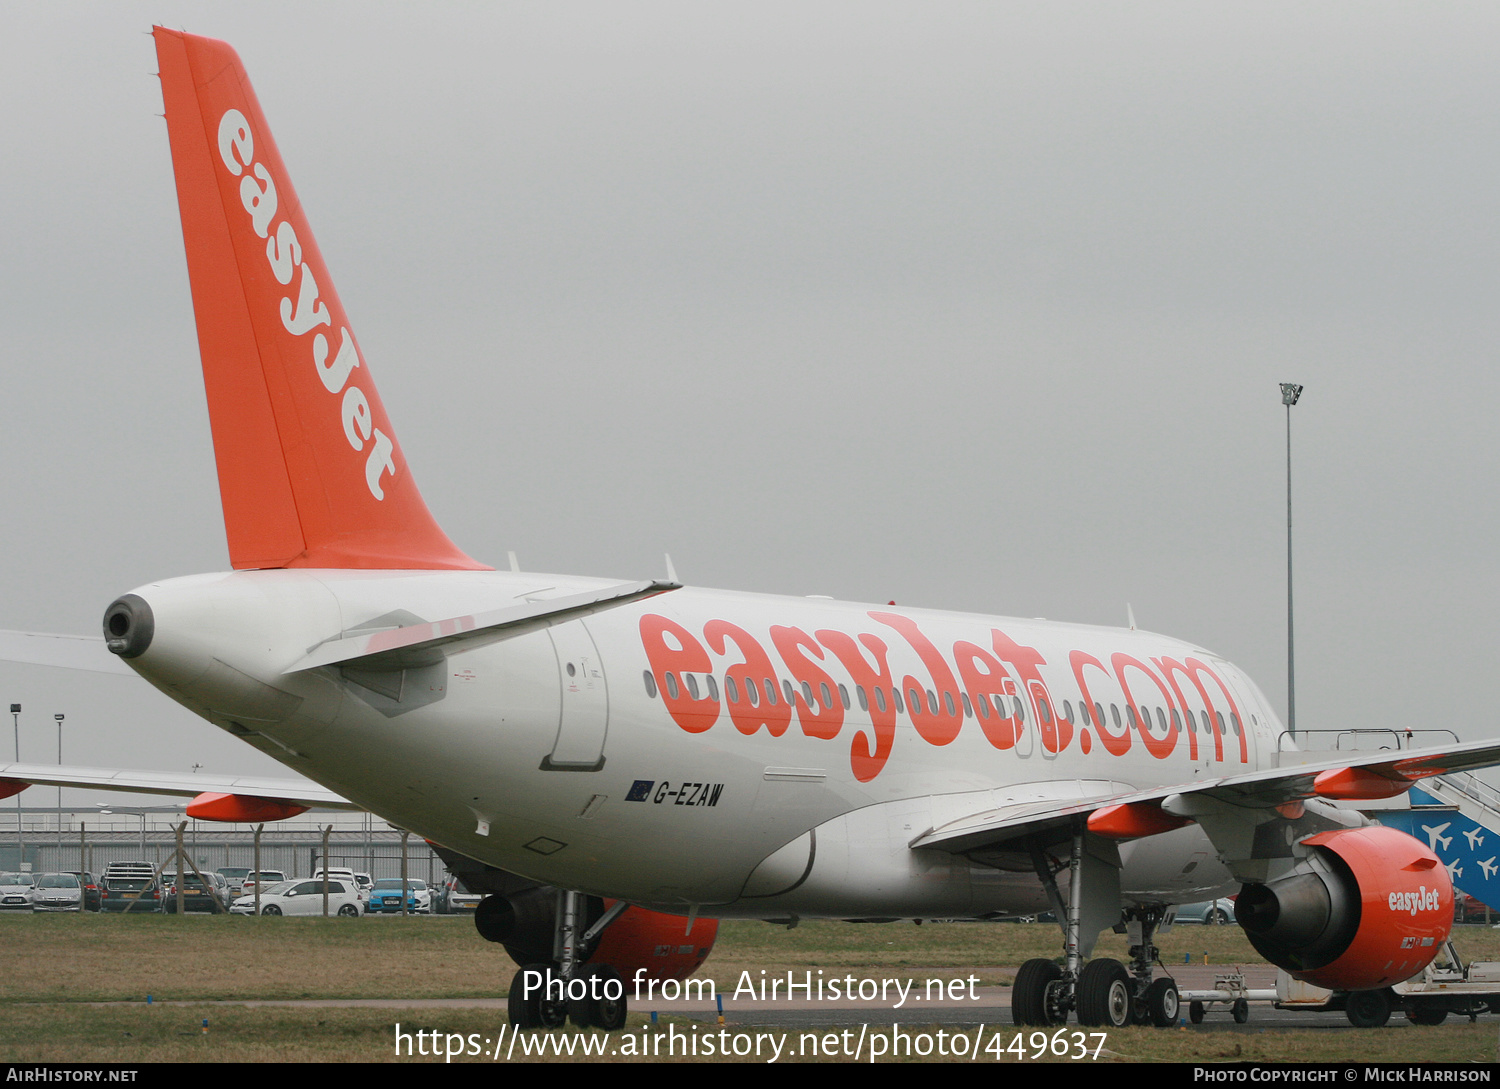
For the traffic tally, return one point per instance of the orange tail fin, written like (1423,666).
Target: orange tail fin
(310,473)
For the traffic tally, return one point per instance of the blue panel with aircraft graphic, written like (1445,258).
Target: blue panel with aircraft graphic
(1469,850)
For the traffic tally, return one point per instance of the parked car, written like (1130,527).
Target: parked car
(1466,909)
(385,897)
(264,878)
(454,899)
(92,892)
(198,894)
(131,886)
(303,897)
(234,877)
(1219,911)
(15,891)
(57,892)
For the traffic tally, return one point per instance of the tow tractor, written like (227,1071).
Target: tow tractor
(1445,986)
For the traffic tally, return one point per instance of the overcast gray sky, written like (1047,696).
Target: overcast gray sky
(970,306)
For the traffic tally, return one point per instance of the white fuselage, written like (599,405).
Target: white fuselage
(622,755)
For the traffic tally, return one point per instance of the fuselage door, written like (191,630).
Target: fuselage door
(584,716)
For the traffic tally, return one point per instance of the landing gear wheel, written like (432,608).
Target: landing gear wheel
(270,909)
(349,911)
(1104,994)
(1240,1011)
(1195,1012)
(1162,1003)
(598,1009)
(1029,1004)
(1426,1017)
(535,1010)
(1368,1009)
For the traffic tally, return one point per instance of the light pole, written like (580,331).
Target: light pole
(59,791)
(1289,394)
(15,719)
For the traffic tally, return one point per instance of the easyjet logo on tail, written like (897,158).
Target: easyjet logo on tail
(302,312)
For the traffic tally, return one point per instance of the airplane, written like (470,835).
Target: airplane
(1488,867)
(619,764)
(1475,836)
(1435,835)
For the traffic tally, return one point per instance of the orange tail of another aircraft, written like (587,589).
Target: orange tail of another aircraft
(310,472)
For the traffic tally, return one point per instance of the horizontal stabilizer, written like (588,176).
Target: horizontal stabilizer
(398,648)
(63,651)
(291,791)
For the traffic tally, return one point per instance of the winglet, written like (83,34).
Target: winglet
(310,473)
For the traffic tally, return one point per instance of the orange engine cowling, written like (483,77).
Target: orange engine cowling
(1368,908)
(657,946)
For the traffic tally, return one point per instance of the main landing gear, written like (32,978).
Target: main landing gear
(1102,992)
(547,995)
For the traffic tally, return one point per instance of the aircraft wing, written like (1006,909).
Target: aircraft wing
(1250,792)
(289,791)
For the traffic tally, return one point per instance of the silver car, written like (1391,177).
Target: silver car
(57,892)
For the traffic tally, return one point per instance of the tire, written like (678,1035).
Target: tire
(1195,1012)
(1368,1009)
(1220,917)
(535,1011)
(1424,1016)
(517,1008)
(1028,996)
(270,909)
(349,911)
(1104,994)
(1240,1011)
(600,1012)
(1162,1003)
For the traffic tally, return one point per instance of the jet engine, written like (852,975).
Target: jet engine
(1367,908)
(658,946)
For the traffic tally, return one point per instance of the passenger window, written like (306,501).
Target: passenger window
(732,689)
(770,691)
(948,702)
(672,685)
(650,684)
(692,684)
(713,687)
(968,708)
(844,697)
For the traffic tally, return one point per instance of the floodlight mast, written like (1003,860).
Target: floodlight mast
(1289,394)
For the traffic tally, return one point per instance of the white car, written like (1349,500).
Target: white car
(15,891)
(303,897)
